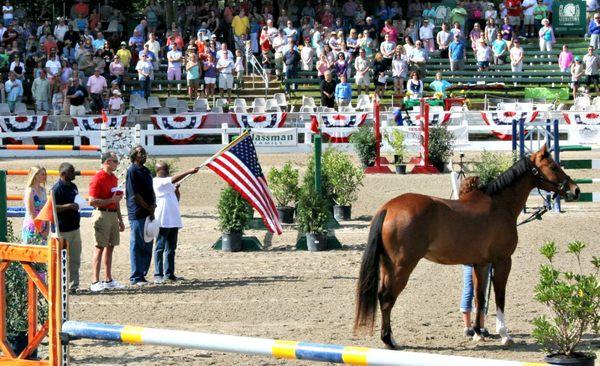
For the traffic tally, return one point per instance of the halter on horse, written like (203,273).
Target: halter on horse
(478,229)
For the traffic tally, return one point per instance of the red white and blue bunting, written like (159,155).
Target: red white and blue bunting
(94,123)
(22,124)
(435,118)
(261,120)
(335,126)
(179,122)
(582,118)
(505,118)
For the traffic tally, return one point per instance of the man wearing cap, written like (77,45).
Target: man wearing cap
(76,95)
(125,55)
(106,220)
(592,64)
(145,69)
(225,68)
(40,90)
(141,203)
(594,31)
(426,35)
(96,87)
(456,53)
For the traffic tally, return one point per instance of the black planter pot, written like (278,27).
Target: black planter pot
(231,242)
(342,213)
(367,164)
(439,166)
(286,214)
(577,359)
(18,342)
(401,169)
(316,242)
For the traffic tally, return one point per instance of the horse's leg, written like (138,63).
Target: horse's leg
(479,282)
(501,271)
(393,281)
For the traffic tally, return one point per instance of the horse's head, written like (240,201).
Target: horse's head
(550,176)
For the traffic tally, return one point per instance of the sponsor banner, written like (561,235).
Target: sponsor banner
(584,134)
(582,118)
(435,118)
(261,120)
(412,135)
(337,127)
(22,124)
(274,137)
(505,118)
(94,123)
(179,122)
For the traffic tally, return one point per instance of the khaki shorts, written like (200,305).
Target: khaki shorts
(514,21)
(106,228)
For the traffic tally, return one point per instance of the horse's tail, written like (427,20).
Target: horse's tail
(368,280)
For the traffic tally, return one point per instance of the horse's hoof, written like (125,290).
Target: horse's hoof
(389,342)
(507,341)
(478,338)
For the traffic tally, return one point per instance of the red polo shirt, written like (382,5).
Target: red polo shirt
(101,185)
(513,4)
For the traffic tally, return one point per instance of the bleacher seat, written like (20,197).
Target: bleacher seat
(220,102)
(182,106)
(305,109)
(164,110)
(171,102)
(20,108)
(258,109)
(281,100)
(201,105)
(4,110)
(217,109)
(153,102)
(308,102)
(240,109)
(270,105)
(240,102)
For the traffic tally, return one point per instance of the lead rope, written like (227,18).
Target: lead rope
(537,215)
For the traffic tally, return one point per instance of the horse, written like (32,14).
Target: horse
(478,229)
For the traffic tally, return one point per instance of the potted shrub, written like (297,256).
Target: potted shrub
(491,165)
(364,144)
(441,143)
(309,177)
(345,180)
(573,299)
(284,186)
(312,216)
(235,214)
(396,141)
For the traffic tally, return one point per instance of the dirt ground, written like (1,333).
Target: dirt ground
(296,295)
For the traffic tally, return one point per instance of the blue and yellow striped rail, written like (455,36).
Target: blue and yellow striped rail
(271,347)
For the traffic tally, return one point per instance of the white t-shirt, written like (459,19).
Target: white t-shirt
(167,207)
(53,66)
(225,66)
(426,32)
(7,12)
(175,55)
(531,4)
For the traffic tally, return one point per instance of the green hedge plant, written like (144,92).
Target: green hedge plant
(235,213)
(395,139)
(491,165)
(364,144)
(344,177)
(283,183)
(312,211)
(441,145)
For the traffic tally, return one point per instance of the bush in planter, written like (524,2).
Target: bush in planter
(309,176)
(312,216)
(345,180)
(283,183)
(441,144)
(364,144)
(396,141)
(491,166)
(572,298)
(235,214)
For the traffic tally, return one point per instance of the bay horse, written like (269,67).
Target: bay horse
(478,229)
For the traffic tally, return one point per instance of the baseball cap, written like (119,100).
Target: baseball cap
(123,44)
(577,59)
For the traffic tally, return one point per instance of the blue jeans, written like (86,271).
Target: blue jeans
(146,85)
(140,252)
(164,252)
(468,291)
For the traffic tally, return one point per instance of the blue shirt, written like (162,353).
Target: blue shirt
(98,43)
(14,89)
(139,181)
(343,91)
(68,220)
(593,27)
(457,51)
(499,46)
(439,86)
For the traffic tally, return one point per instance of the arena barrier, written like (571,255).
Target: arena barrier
(19,211)
(84,173)
(593,164)
(51,147)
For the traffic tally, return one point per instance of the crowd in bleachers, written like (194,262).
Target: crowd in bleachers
(82,62)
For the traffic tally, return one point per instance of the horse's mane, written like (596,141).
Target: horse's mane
(508,177)
(467,185)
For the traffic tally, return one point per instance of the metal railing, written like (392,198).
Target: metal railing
(256,68)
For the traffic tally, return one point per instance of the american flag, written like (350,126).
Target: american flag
(238,165)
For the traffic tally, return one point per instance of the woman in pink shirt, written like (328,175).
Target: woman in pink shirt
(117,70)
(565,59)
(322,65)
(390,30)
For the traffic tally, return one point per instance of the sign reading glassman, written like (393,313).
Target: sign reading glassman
(274,136)
(568,17)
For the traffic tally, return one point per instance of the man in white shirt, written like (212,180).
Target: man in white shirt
(528,17)
(426,35)
(174,68)
(53,65)
(166,190)
(225,67)
(279,43)
(154,47)
(223,51)
(144,69)
(362,66)
(271,31)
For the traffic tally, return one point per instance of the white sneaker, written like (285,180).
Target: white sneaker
(141,283)
(97,287)
(112,284)
(159,280)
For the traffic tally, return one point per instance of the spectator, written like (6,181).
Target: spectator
(107,221)
(458,14)
(426,35)
(341,66)
(115,103)
(307,56)
(439,85)
(528,7)
(363,67)
(241,26)
(327,90)
(508,32)
(592,64)
(490,31)
(97,85)
(166,190)
(117,70)
(14,91)
(141,203)
(279,43)
(225,68)
(391,31)
(68,52)
(418,58)
(516,57)
(475,35)
(379,77)
(76,95)
(443,39)
(577,71)
(483,55)
(144,69)
(124,55)
(40,90)
(34,198)
(8,13)
(415,85)
(500,50)
(192,69)
(594,31)
(99,42)
(174,58)
(456,29)
(290,32)
(546,36)
(67,212)
(399,69)
(565,59)
(58,100)
(343,92)
(210,76)
(323,65)
(387,50)
(291,60)
(457,54)
(17,67)
(514,11)
(540,12)
(154,47)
